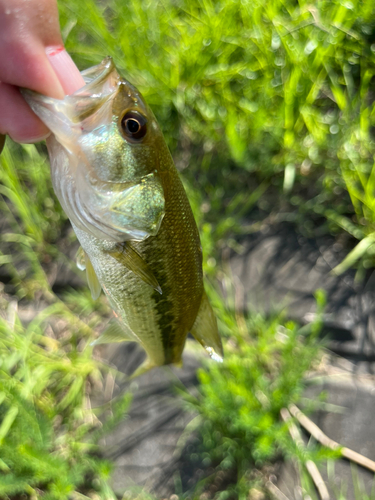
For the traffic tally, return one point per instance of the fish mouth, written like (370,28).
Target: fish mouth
(100,80)
(98,75)
(64,117)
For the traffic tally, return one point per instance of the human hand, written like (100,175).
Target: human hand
(32,56)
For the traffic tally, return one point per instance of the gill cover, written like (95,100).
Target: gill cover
(97,174)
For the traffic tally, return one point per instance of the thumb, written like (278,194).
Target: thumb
(66,71)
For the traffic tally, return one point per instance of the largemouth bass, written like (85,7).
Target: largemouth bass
(115,178)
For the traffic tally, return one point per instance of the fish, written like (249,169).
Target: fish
(116,181)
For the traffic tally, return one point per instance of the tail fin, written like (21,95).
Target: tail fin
(205,330)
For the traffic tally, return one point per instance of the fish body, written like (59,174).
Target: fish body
(115,178)
(159,321)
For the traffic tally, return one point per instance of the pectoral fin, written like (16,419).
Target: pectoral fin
(205,330)
(130,258)
(139,208)
(115,332)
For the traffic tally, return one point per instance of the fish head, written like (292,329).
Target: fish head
(106,151)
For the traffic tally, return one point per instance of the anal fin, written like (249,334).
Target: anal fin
(130,258)
(142,368)
(115,332)
(205,330)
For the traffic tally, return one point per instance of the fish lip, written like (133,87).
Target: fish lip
(94,77)
(31,94)
(97,74)
(65,116)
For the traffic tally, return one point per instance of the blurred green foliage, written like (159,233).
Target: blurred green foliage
(274,96)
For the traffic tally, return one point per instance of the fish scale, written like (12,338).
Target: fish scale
(115,178)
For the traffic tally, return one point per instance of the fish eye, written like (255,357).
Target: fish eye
(133,125)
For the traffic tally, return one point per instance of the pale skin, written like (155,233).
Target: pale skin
(32,56)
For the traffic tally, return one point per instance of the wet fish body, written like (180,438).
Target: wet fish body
(116,180)
(160,322)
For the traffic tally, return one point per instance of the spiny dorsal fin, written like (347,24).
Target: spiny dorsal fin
(130,258)
(205,330)
(116,332)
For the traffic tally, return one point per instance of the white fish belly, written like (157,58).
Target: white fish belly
(131,298)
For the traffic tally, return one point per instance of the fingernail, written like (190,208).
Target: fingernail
(65,69)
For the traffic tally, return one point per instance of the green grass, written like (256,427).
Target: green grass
(48,431)
(268,110)
(238,405)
